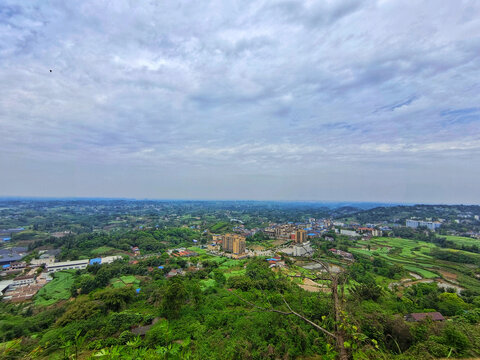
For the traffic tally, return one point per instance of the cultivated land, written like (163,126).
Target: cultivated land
(413,255)
(55,290)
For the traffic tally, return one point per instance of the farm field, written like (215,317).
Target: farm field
(55,290)
(197,250)
(462,240)
(123,281)
(102,250)
(414,256)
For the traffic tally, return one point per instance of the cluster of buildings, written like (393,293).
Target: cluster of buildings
(343,254)
(431,225)
(182,252)
(314,228)
(33,276)
(232,245)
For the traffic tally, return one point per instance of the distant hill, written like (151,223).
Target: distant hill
(401,213)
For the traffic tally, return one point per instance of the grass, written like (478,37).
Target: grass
(204,284)
(405,252)
(198,250)
(460,240)
(230,263)
(102,250)
(422,272)
(55,290)
(123,281)
(235,273)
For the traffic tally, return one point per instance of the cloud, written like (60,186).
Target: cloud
(264,88)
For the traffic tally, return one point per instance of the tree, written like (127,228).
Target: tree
(174,297)
(219,277)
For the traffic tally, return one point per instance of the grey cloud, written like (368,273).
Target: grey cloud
(331,89)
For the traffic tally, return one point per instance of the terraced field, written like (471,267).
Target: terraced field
(462,240)
(415,257)
(123,281)
(411,254)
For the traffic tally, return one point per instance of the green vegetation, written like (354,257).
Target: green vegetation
(222,308)
(55,290)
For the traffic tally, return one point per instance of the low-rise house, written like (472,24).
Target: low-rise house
(369,231)
(351,233)
(67,265)
(174,272)
(435,316)
(4,285)
(43,260)
(344,254)
(18,265)
(24,280)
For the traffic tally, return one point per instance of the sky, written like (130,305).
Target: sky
(334,100)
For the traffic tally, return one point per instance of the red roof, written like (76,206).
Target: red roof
(435,316)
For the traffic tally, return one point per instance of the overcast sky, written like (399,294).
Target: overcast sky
(288,100)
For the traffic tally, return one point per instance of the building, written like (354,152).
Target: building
(431,225)
(234,243)
(369,231)
(110,259)
(18,265)
(239,245)
(217,239)
(43,260)
(300,236)
(343,254)
(435,316)
(4,285)
(351,233)
(67,265)
(24,280)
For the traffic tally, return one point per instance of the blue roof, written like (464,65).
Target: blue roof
(160,267)
(95,261)
(6,266)
(137,290)
(272,259)
(7,239)
(311,234)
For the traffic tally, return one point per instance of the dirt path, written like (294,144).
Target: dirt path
(312,286)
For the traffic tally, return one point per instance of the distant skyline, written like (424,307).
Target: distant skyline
(335,100)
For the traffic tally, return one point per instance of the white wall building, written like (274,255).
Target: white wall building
(67,265)
(431,225)
(349,232)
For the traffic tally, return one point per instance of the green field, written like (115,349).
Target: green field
(55,290)
(235,273)
(123,281)
(102,250)
(422,272)
(198,250)
(411,254)
(415,256)
(204,284)
(230,263)
(462,240)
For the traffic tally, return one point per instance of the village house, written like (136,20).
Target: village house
(435,316)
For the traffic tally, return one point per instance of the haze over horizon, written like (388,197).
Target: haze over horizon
(375,101)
